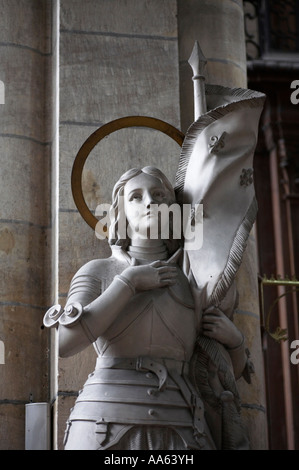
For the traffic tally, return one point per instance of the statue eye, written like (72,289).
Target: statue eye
(136,197)
(159,194)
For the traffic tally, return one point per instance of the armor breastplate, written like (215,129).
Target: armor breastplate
(156,323)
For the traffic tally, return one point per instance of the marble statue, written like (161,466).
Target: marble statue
(159,311)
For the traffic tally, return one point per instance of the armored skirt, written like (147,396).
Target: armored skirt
(125,409)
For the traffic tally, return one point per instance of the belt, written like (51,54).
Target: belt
(162,367)
(159,366)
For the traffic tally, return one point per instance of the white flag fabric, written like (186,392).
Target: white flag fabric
(216,170)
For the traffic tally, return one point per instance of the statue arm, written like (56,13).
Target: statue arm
(97,316)
(239,354)
(100,310)
(218,324)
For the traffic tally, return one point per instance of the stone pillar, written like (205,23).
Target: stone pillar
(25,223)
(218,25)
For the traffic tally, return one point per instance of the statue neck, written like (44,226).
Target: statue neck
(148,249)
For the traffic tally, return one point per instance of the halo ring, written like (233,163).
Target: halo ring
(95,138)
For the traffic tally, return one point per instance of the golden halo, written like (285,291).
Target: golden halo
(95,138)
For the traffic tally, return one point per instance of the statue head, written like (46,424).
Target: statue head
(132,196)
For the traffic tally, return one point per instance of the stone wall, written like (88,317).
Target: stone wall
(25,220)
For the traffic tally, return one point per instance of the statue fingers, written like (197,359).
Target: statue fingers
(168,282)
(208,332)
(212,332)
(167,269)
(158,264)
(168,275)
(208,327)
(210,318)
(155,264)
(213,311)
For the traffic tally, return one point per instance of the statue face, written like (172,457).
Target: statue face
(139,194)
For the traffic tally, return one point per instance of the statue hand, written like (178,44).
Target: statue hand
(216,325)
(151,276)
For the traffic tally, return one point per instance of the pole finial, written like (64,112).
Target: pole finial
(198,62)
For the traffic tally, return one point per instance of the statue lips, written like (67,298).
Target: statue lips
(150,215)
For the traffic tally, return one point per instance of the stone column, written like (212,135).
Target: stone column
(25,220)
(218,25)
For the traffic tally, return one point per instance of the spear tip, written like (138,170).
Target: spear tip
(197,60)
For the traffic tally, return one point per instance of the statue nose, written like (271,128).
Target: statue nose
(149,201)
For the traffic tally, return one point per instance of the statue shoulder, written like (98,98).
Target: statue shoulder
(98,268)
(92,279)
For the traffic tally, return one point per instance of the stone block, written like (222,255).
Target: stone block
(226,73)
(12,418)
(104,78)
(77,245)
(130,17)
(25,172)
(248,320)
(25,274)
(24,78)
(257,423)
(24,373)
(220,20)
(26,27)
